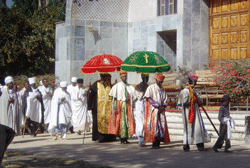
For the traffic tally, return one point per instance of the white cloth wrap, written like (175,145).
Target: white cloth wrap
(46,102)
(230,124)
(60,110)
(34,107)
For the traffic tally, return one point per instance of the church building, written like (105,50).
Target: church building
(187,33)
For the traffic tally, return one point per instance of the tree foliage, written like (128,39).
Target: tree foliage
(27,39)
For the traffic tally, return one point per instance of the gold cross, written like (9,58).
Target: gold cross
(146,58)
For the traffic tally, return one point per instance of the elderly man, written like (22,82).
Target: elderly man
(100,104)
(121,121)
(60,112)
(194,128)
(156,129)
(46,92)
(10,115)
(33,107)
(140,90)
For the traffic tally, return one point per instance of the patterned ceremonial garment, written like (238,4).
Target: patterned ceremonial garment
(103,107)
(155,123)
(121,123)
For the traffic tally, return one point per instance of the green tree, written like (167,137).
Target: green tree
(27,43)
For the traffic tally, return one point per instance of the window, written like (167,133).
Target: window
(172,7)
(167,7)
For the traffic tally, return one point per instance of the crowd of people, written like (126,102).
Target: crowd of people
(118,110)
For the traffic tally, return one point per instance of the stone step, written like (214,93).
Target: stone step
(180,131)
(207,126)
(175,125)
(211,115)
(179,137)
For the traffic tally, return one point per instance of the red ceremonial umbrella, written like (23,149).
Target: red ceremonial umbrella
(102,63)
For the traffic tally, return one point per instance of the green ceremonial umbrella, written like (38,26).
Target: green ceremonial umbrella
(145,62)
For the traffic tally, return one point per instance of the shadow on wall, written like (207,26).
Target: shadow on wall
(96,35)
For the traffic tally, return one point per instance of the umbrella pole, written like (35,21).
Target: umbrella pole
(85,127)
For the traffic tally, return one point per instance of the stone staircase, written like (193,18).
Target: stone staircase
(175,125)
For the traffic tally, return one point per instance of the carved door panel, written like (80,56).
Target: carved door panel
(229,29)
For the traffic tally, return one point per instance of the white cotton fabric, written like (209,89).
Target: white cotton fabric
(34,107)
(230,124)
(46,102)
(139,113)
(118,91)
(199,132)
(79,109)
(60,110)
(11,115)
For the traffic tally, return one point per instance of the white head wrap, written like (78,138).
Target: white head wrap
(63,84)
(32,80)
(8,79)
(74,79)
(41,82)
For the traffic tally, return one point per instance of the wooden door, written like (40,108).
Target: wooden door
(229,29)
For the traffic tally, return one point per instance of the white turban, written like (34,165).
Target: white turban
(74,79)
(41,82)
(8,79)
(63,84)
(32,80)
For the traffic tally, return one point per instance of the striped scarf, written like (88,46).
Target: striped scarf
(192,99)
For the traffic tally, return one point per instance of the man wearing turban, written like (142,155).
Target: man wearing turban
(60,112)
(100,104)
(10,115)
(156,129)
(121,122)
(33,107)
(194,128)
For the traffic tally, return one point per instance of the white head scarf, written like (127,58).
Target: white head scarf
(8,79)
(32,80)
(74,79)
(63,84)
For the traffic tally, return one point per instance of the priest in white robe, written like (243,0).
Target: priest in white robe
(60,112)
(10,115)
(73,85)
(33,107)
(79,108)
(140,90)
(156,129)
(70,89)
(9,104)
(46,92)
(194,129)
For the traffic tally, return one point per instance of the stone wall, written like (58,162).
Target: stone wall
(195,34)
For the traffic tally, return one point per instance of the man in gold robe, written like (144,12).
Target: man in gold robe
(100,104)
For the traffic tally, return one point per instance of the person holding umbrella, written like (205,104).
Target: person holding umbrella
(100,104)
(121,121)
(156,129)
(140,90)
(194,128)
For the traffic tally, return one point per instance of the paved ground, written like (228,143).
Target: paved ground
(42,151)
